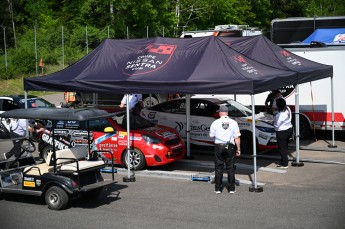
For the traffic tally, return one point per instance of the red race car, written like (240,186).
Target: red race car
(150,144)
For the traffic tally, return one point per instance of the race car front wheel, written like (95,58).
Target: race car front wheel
(136,158)
(56,198)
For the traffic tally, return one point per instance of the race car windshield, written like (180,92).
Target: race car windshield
(136,122)
(237,109)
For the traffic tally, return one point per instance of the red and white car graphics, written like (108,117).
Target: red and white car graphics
(150,144)
(203,112)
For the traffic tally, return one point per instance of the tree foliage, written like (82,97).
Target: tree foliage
(47,28)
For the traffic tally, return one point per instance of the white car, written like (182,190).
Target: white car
(203,112)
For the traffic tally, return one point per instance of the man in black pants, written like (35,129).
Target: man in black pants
(227,134)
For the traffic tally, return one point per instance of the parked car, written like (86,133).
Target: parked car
(11,102)
(203,113)
(151,145)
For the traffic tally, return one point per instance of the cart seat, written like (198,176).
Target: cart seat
(67,159)
(40,169)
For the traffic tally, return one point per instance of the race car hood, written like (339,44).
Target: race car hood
(262,119)
(158,131)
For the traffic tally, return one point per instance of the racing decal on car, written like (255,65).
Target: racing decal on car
(263,136)
(61,132)
(150,58)
(78,133)
(103,138)
(179,127)
(58,144)
(151,115)
(159,147)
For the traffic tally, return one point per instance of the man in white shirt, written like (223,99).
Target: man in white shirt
(227,136)
(133,99)
(17,129)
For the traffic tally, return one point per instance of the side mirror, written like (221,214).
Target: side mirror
(109,130)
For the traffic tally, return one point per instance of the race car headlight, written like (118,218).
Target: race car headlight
(151,140)
(266,129)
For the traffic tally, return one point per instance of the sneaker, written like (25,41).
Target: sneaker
(282,167)
(232,191)
(217,192)
(5,156)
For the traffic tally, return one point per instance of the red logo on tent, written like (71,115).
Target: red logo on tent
(284,53)
(245,66)
(151,58)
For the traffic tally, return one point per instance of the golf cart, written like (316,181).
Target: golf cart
(67,173)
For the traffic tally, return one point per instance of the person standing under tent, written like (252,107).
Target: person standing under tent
(277,95)
(133,99)
(283,128)
(227,136)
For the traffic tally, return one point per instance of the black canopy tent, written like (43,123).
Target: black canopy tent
(256,47)
(170,65)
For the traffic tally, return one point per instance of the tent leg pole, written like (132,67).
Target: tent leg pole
(255,187)
(297,163)
(130,175)
(332,104)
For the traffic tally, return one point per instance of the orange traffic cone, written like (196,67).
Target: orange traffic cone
(41,63)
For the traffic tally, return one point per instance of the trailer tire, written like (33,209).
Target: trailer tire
(56,198)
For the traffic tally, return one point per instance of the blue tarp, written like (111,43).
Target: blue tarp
(328,36)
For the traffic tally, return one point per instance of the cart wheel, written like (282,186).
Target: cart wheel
(56,198)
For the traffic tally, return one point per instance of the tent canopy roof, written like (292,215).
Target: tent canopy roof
(188,66)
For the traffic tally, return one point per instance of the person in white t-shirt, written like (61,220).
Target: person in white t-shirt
(227,134)
(133,99)
(283,128)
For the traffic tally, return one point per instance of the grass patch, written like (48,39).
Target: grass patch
(16,87)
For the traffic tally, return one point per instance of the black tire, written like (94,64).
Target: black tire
(137,159)
(247,143)
(146,101)
(45,152)
(56,198)
(28,145)
(304,127)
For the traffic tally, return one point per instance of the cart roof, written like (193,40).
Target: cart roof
(67,114)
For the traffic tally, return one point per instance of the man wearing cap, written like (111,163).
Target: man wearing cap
(227,136)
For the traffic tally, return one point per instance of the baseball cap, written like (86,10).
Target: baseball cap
(223,108)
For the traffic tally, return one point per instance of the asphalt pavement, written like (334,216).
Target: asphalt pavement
(310,196)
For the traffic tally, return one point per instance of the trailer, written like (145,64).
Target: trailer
(224,31)
(296,29)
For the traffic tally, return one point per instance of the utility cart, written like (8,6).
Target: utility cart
(67,173)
